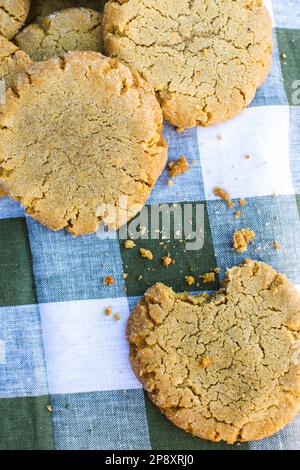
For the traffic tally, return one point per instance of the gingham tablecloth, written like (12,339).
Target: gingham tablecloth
(65,378)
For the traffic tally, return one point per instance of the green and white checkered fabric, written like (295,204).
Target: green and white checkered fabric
(56,345)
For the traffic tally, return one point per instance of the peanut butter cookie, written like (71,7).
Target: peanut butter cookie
(13,13)
(222,367)
(72,29)
(204,59)
(81,142)
(12,61)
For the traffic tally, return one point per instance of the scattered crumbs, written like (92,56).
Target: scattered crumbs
(222,194)
(117,316)
(108,281)
(190,280)
(243,202)
(247,157)
(167,260)
(140,278)
(147,254)
(208,278)
(129,244)
(125,275)
(205,362)
(170,183)
(178,167)
(238,214)
(225,196)
(276,246)
(219,137)
(49,408)
(217,270)
(241,238)
(284,56)
(180,130)
(107,311)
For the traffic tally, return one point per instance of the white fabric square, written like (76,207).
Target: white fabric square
(262,133)
(85,350)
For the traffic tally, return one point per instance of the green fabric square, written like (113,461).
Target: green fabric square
(165,436)
(26,424)
(16,276)
(142,273)
(289,49)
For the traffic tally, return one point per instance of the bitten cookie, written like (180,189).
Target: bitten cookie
(12,61)
(41,8)
(13,13)
(72,29)
(222,367)
(204,59)
(81,142)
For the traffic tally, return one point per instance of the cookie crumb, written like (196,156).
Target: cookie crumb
(49,408)
(190,280)
(170,183)
(117,317)
(147,254)
(243,202)
(129,244)
(219,137)
(125,275)
(178,167)
(276,246)
(238,214)
(208,278)
(222,194)
(230,204)
(107,311)
(167,260)
(247,157)
(217,270)
(108,281)
(205,362)
(241,239)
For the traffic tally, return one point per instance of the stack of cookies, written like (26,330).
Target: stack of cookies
(81,143)
(81,133)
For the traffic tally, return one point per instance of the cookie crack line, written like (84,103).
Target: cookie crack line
(222,370)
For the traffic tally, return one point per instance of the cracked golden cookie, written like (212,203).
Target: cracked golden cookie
(81,142)
(12,61)
(13,14)
(40,8)
(223,367)
(204,59)
(72,29)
